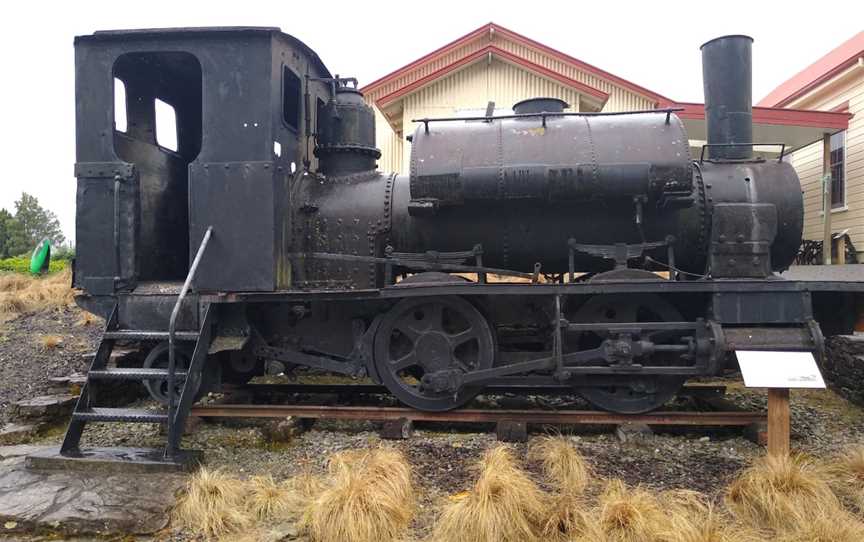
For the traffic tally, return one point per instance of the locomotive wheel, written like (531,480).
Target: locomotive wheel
(628,394)
(428,337)
(157,358)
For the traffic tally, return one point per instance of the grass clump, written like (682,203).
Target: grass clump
(845,476)
(563,465)
(368,496)
(836,526)
(504,505)
(691,517)
(267,498)
(568,472)
(50,342)
(625,514)
(213,505)
(776,490)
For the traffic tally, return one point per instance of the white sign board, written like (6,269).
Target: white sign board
(779,369)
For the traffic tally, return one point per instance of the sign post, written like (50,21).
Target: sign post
(779,371)
(779,423)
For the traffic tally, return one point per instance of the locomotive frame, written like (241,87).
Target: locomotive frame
(244,250)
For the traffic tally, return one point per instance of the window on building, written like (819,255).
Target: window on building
(838,170)
(291,98)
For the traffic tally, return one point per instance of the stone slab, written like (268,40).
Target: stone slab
(46,407)
(72,503)
(13,433)
(115,460)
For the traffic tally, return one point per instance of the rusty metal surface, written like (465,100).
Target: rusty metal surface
(478,415)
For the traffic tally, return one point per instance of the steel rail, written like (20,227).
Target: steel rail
(583,417)
(494,389)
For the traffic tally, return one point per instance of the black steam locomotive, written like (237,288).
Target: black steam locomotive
(538,247)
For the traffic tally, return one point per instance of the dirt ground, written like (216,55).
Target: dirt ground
(441,455)
(26,363)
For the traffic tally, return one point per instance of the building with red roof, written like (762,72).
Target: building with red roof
(834,83)
(496,64)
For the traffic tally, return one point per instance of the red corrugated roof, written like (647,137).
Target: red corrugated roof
(505,55)
(633,87)
(833,120)
(817,73)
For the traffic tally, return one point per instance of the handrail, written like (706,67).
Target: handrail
(172,325)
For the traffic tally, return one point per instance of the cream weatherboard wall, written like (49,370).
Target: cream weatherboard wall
(846,87)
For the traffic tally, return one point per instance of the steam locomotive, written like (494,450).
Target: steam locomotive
(538,247)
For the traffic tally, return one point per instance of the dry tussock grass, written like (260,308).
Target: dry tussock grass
(845,475)
(301,489)
(368,497)
(87,319)
(267,498)
(625,514)
(213,504)
(20,294)
(567,471)
(50,342)
(563,466)
(833,527)
(504,505)
(776,491)
(691,517)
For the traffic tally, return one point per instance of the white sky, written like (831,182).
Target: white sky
(653,44)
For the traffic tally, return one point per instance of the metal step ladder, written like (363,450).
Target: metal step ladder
(88,410)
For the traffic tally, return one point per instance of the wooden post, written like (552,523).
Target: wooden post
(778,422)
(826,198)
(841,250)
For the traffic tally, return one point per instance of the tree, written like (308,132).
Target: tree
(37,223)
(13,241)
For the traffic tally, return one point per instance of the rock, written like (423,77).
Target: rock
(511,431)
(46,407)
(633,432)
(69,503)
(13,433)
(399,429)
(843,366)
(283,430)
(280,532)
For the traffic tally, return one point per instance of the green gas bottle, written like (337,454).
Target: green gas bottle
(41,258)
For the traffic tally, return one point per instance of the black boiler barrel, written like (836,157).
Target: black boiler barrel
(727,80)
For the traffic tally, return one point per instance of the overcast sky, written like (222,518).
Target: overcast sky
(653,44)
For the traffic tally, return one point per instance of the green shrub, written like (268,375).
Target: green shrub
(21,264)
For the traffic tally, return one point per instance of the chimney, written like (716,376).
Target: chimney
(727,79)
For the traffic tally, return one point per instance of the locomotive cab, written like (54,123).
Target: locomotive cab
(208,128)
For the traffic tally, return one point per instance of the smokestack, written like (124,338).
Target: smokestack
(727,70)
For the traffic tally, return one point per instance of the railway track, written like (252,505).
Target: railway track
(711,396)
(692,390)
(473,415)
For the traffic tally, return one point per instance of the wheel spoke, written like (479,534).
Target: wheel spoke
(400,364)
(409,332)
(435,316)
(462,337)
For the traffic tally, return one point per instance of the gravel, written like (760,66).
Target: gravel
(26,364)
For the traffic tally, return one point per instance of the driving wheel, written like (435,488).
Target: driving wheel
(627,394)
(423,346)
